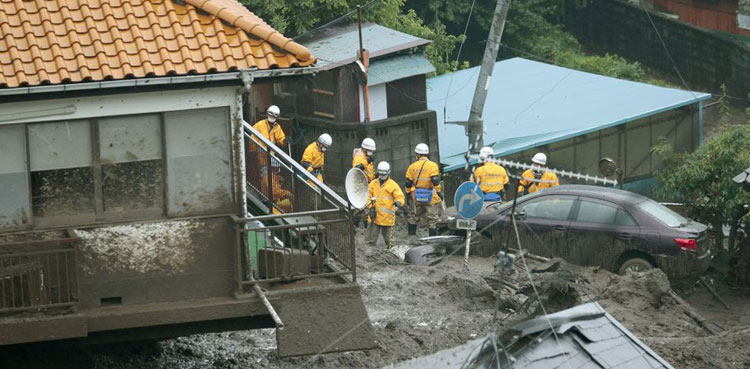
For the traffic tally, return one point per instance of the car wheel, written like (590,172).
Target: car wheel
(635,265)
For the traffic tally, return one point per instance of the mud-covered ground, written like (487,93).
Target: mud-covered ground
(418,310)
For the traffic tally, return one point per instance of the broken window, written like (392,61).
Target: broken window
(131,163)
(62,181)
(14,197)
(198,162)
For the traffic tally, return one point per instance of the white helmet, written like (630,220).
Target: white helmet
(368,144)
(384,168)
(273,112)
(485,153)
(325,141)
(539,158)
(422,149)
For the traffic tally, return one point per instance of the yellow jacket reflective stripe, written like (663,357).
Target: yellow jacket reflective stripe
(491,177)
(551,179)
(361,158)
(275,134)
(315,158)
(386,197)
(423,179)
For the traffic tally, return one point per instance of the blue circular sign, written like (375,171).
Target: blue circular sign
(468,200)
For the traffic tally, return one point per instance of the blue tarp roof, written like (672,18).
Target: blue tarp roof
(531,104)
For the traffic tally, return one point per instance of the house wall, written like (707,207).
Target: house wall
(145,180)
(395,138)
(378,103)
(407,95)
(718,15)
(629,145)
(705,59)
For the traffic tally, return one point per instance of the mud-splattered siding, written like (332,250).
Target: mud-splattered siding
(163,248)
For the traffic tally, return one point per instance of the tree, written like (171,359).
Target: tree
(296,17)
(702,180)
(533,30)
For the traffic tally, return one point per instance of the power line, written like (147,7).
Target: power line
(458,56)
(336,20)
(664,46)
(307,12)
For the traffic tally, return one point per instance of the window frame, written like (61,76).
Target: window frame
(548,197)
(100,216)
(580,201)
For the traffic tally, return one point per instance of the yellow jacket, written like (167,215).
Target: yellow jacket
(536,186)
(315,159)
(361,158)
(491,177)
(275,134)
(423,179)
(386,196)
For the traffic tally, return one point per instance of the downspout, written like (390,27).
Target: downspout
(247,81)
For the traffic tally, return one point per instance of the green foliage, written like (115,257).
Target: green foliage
(724,104)
(295,17)
(533,30)
(702,181)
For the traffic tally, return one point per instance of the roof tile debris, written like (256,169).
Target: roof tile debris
(65,41)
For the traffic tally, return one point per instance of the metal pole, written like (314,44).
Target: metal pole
(364,59)
(466,250)
(269,307)
(475,126)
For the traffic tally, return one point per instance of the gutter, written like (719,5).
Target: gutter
(155,81)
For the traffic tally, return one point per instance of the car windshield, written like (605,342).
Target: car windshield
(663,213)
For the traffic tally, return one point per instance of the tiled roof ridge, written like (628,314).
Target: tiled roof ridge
(248,25)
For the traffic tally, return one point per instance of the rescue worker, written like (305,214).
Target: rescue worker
(270,129)
(313,159)
(282,197)
(363,158)
(423,190)
(491,177)
(385,199)
(364,161)
(537,172)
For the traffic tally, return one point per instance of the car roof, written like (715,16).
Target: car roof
(604,193)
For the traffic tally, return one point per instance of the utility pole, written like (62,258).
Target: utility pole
(475,125)
(364,58)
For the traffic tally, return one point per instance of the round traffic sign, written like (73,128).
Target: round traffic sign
(468,200)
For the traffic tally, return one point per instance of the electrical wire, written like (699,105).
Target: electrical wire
(336,20)
(536,292)
(458,56)
(664,46)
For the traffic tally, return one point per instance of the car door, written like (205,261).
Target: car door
(600,232)
(543,224)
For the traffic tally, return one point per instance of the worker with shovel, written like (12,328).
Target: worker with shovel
(385,199)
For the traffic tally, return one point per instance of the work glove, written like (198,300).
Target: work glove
(397,207)
(373,214)
(370,159)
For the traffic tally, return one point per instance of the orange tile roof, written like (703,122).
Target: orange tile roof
(65,41)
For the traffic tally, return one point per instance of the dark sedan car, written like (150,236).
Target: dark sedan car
(596,226)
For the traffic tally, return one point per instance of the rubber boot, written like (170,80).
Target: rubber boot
(433,232)
(412,229)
